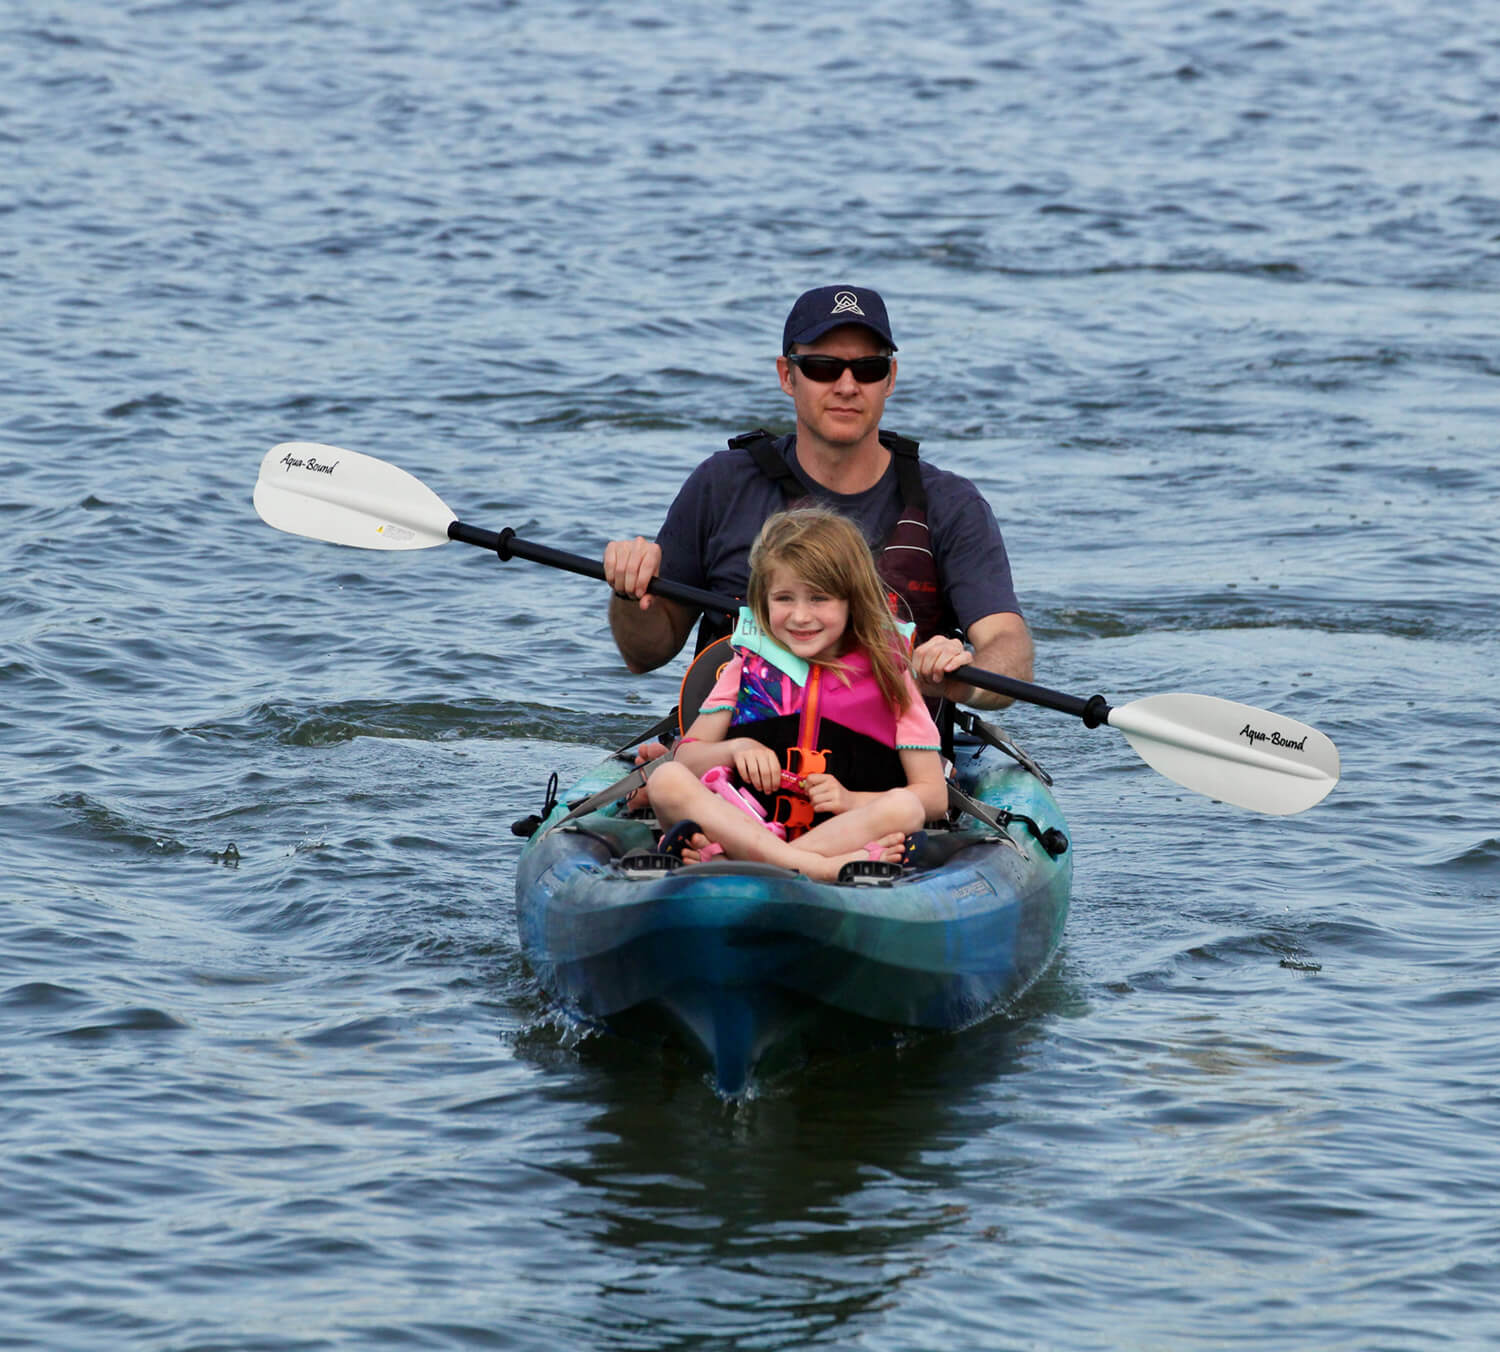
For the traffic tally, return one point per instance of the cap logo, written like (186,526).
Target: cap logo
(847,303)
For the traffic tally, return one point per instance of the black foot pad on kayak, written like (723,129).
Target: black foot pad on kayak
(648,864)
(870,872)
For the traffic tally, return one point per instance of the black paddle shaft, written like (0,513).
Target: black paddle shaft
(1094,711)
(508,545)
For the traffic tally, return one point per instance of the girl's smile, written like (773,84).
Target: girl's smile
(804,619)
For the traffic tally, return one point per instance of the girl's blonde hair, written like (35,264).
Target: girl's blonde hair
(828,551)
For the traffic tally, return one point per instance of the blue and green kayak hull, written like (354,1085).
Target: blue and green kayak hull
(753,967)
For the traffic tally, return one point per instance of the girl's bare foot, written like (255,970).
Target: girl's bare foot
(826,868)
(692,852)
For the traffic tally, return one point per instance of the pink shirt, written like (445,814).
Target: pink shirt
(755,689)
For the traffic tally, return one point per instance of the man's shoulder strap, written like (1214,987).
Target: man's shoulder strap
(769,460)
(908,472)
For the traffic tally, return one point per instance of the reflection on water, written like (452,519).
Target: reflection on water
(812,1201)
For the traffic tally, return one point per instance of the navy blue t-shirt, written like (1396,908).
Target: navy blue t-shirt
(710,526)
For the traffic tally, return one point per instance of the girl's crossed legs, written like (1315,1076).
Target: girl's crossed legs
(677,794)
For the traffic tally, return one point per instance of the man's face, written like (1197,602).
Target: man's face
(842,412)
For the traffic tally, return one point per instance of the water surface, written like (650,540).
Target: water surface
(1203,298)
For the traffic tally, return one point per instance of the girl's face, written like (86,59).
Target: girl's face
(804,619)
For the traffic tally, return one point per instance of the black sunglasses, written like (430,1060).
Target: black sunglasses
(825,370)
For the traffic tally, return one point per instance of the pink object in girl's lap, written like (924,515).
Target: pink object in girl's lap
(717,780)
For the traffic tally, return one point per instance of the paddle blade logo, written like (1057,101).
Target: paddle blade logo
(1273,738)
(311,464)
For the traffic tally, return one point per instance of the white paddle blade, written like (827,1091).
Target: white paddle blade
(348,499)
(1232,752)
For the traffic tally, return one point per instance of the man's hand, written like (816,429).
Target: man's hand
(934,660)
(1002,644)
(646,751)
(648,630)
(629,566)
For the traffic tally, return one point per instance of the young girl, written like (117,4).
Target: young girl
(819,667)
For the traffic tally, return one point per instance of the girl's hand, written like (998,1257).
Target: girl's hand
(757,765)
(826,794)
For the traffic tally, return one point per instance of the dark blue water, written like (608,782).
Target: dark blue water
(1203,297)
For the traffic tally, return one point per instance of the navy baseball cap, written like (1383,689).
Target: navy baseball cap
(827,307)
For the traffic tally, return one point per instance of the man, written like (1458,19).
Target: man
(934,536)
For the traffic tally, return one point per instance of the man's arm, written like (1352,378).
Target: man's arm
(1001,643)
(649,630)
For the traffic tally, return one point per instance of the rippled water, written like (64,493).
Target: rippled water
(1203,298)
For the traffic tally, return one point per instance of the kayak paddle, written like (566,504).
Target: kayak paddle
(1232,752)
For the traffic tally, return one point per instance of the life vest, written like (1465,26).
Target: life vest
(905,561)
(834,722)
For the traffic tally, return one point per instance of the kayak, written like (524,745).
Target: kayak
(753,968)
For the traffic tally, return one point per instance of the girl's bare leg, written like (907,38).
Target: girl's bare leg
(897,810)
(677,795)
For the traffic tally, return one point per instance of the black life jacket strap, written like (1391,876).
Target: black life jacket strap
(908,473)
(770,462)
